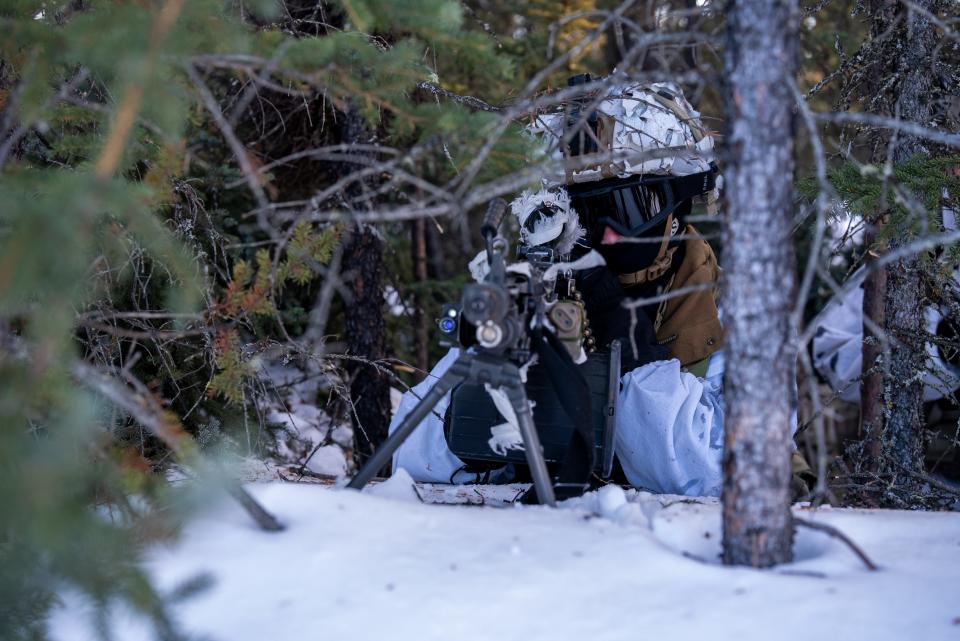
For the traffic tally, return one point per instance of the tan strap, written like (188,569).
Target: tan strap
(662,307)
(660,264)
(653,272)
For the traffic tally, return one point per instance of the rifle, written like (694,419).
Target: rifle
(516,316)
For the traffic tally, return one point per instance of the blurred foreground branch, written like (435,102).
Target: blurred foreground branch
(162,424)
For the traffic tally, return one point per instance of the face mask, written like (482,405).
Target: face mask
(628,256)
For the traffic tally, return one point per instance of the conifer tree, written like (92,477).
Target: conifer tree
(903,204)
(146,255)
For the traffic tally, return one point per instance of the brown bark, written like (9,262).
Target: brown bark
(364,321)
(759,282)
(896,414)
(369,387)
(871,390)
(419,232)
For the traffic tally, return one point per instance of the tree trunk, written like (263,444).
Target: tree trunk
(364,322)
(902,441)
(908,93)
(871,389)
(419,246)
(369,387)
(758,291)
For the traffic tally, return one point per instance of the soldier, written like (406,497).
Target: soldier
(636,158)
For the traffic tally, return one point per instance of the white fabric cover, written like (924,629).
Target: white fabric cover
(837,344)
(425,455)
(562,230)
(669,430)
(838,349)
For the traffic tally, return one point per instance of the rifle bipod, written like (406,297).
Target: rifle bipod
(475,368)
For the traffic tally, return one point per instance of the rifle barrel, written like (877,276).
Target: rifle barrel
(494,216)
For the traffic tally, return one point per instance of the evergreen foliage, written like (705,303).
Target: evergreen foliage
(125,240)
(864,189)
(167,219)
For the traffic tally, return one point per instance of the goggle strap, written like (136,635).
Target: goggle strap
(694,184)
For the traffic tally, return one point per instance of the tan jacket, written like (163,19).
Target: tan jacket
(689,325)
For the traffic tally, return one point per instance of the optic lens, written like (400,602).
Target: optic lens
(489,335)
(448,325)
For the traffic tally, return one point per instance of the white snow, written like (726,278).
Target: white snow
(328,460)
(609,566)
(399,487)
(308,438)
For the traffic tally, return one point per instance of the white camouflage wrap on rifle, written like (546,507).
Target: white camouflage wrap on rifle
(669,431)
(507,435)
(562,230)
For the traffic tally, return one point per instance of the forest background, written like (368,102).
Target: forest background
(206,204)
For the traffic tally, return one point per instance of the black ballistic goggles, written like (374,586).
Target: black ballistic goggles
(633,205)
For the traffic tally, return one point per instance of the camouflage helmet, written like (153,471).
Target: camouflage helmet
(634,157)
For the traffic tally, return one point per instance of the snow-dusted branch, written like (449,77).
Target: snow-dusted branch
(467,101)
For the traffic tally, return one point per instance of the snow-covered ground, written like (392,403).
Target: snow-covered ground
(611,565)
(308,439)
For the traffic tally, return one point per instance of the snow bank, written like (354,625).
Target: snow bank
(613,565)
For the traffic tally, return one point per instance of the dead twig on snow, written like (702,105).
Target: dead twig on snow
(837,534)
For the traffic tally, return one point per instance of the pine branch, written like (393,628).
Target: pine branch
(133,95)
(146,410)
(239,151)
(20,131)
(469,101)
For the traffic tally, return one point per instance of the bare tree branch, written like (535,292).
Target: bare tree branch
(905,126)
(468,101)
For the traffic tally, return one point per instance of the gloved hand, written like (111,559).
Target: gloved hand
(609,320)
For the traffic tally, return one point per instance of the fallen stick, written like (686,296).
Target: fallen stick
(834,532)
